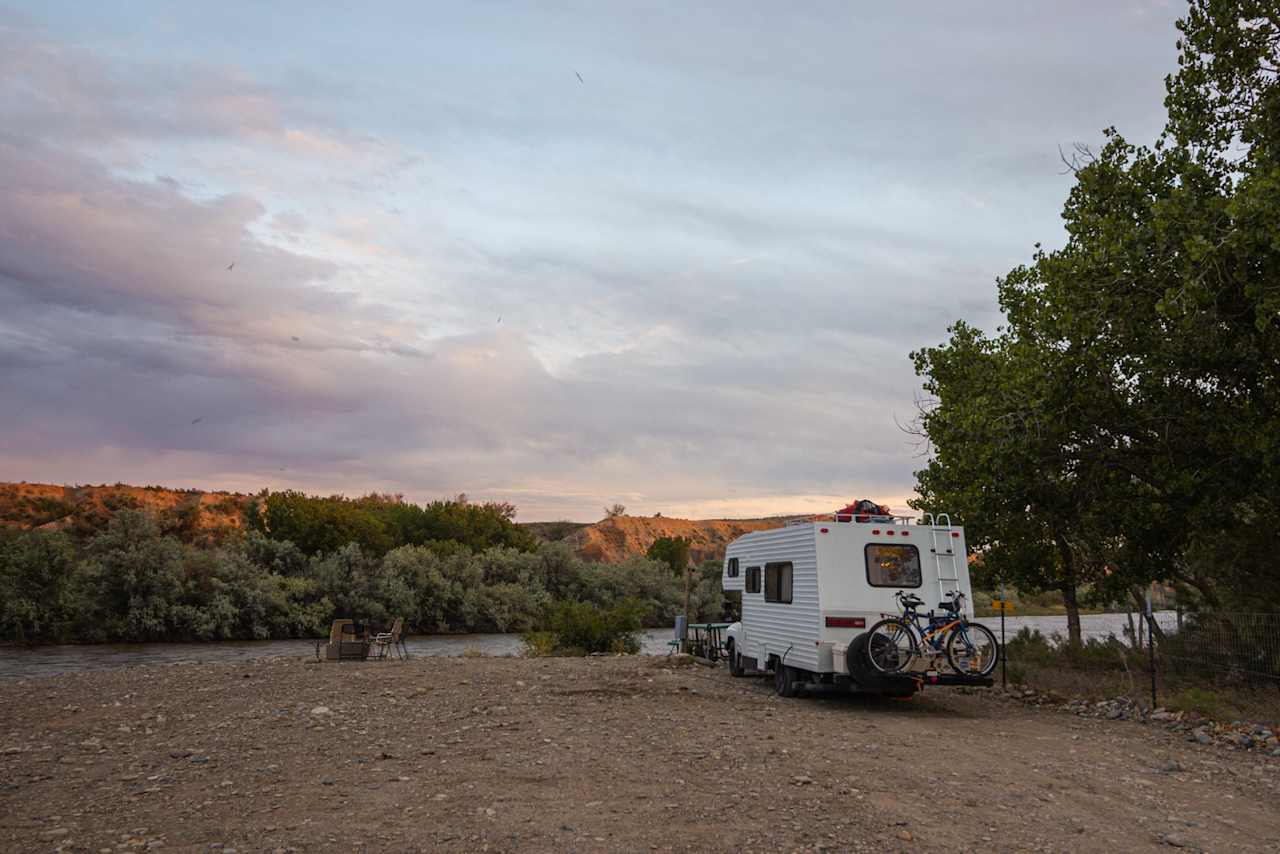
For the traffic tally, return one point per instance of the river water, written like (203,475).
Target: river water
(19,662)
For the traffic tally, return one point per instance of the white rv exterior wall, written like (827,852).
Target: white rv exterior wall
(787,631)
(830,580)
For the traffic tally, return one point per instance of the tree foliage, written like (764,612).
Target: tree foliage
(134,582)
(1123,426)
(379,523)
(673,551)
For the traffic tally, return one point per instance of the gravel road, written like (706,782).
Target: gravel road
(630,753)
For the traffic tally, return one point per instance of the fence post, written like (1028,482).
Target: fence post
(1004,603)
(1151,648)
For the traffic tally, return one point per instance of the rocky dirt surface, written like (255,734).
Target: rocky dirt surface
(1234,735)
(630,753)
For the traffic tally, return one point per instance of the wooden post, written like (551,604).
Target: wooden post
(687,615)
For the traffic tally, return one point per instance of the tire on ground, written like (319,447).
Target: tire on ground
(735,660)
(786,680)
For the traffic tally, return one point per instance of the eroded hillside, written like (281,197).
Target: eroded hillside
(190,514)
(620,537)
(199,516)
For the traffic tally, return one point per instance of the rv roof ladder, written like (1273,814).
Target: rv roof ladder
(944,554)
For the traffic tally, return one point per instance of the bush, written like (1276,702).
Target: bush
(37,596)
(132,581)
(537,644)
(579,628)
(1199,700)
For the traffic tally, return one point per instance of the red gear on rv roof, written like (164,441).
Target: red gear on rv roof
(864,510)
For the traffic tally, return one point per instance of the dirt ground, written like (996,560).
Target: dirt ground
(632,753)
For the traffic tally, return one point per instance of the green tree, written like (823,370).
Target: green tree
(1123,426)
(320,525)
(673,551)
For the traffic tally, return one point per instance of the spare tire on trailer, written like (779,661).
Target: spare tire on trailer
(856,660)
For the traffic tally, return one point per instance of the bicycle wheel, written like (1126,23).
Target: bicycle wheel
(891,645)
(972,650)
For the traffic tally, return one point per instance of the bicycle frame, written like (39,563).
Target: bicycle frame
(930,640)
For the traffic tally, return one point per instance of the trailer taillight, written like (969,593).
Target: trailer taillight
(906,533)
(875,532)
(846,622)
(955,533)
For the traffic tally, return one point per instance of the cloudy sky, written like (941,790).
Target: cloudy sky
(670,255)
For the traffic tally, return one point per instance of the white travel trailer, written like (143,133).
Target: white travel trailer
(812,588)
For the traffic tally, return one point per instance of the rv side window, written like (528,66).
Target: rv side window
(893,566)
(733,567)
(753,579)
(777,582)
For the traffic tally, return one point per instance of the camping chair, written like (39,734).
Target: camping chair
(342,630)
(383,642)
(343,643)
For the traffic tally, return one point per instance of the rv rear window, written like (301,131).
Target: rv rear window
(777,582)
(733,567)
(893,566)
(753,579)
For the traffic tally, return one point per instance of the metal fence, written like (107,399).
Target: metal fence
(1239,646)
(1213,648)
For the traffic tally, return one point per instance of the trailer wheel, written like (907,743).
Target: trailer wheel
(786,681)
(735,660)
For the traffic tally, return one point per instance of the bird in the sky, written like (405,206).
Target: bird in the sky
(580,80)
(295,337)
(231,266)
(197,420)
(499,318)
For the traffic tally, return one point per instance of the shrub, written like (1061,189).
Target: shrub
(134,581)
(37,596)
(1030,646)
(1198,700)
(580,628)
(537,644)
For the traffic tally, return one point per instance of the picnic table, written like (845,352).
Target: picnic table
(705,640)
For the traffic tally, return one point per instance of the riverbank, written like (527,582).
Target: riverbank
(589,754)
(18,662)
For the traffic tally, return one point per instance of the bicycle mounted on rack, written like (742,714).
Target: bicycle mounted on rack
(895,643)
